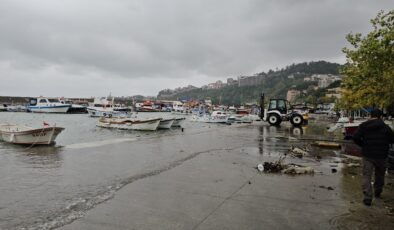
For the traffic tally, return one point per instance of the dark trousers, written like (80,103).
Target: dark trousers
(369,166)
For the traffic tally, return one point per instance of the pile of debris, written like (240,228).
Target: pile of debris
(298,152)
(279,167)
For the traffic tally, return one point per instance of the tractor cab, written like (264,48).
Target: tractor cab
(280,105)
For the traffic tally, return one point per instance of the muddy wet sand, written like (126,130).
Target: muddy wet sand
(212,183)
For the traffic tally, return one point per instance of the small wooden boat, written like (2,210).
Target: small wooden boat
(24,135)
(178,122)
(130,124)
(166,123)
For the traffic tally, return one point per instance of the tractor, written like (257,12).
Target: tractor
(279,110)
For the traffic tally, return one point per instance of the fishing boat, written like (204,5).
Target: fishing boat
(240,116)
(178,122)
(47,105)
(215,117)
(24,135)
(166,123)
(3,108)
(147,106)
(130,124)
(101,107)
(177,107)
(74,108)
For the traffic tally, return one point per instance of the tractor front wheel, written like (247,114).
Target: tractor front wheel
(296,120)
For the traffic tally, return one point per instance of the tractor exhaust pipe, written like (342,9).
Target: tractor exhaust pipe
(262,106)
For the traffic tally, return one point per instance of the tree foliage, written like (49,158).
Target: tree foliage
(369,71)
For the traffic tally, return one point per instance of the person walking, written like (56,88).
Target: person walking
(374,138)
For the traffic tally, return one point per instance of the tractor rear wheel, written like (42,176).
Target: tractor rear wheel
(274,119)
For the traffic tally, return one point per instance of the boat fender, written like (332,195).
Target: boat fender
(12,137)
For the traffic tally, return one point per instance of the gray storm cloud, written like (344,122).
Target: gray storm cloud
(93,47)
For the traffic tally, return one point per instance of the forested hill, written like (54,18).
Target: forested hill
(273,84)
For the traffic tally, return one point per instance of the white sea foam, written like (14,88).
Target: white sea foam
(98,143)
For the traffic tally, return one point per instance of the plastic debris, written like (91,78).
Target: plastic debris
(260,167)
(326,187)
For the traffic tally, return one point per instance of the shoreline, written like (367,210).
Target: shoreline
(220,189)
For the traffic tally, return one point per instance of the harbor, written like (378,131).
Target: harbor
(200,177)
(200,115)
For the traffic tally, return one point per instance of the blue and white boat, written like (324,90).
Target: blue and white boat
(47,105)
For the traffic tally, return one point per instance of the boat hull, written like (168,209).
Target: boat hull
(178,122)
(166,123)
(210,119)
(127,124)
(49,109)
(41,136)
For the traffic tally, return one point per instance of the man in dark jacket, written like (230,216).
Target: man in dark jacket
(374,137)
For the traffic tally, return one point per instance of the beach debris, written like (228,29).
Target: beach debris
(353,165)
(279,167)
(273,167)
(260,167)
(292,138)
(298,169)
(326,187)
(327,144)
(298,152)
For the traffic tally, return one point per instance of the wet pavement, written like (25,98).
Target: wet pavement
(209,180)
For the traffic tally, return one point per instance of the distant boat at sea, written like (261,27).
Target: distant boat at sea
(101,107)
(215,117)
(47,105)
(74,108)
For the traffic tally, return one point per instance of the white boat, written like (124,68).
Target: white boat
(130,124)
(3,108)
(47,105)
(15,108)
(215,117)
(100,107)
(74,108)
(166,123)
(178,108)
(240,116)
(19,134)
(178,122)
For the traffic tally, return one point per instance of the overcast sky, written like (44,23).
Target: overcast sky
(83,48)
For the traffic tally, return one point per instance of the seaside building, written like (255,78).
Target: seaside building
(217,85)
(250,80)
(334,92)
(323,80)
(292,94)
(231,81)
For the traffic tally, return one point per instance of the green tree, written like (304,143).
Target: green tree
(369,72)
